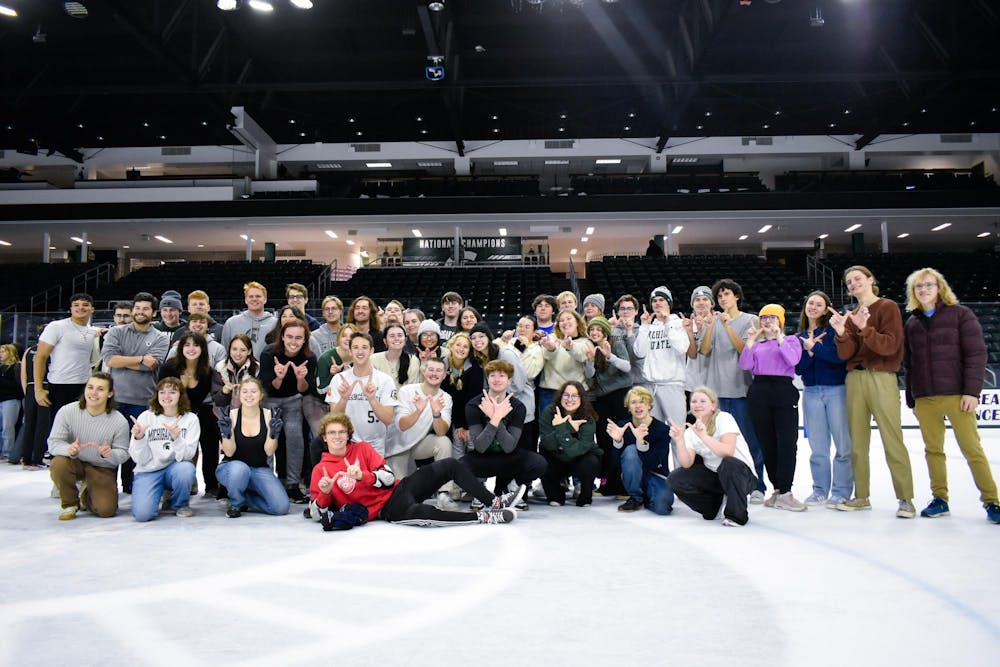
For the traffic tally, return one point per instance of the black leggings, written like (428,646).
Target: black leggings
(774,408)
(703,490)
(406,502)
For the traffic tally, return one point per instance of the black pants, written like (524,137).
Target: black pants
(63,394)
(406,502)
(774,410)
(584,467)
(610,406)
(521,465)
(529,436)
(33,440)
(703,490)
(209,441)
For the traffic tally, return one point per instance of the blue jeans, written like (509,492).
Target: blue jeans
(639,483)
(825,413)
(254,487)
(129,410)
(147,489)
(740,411)
(9,410)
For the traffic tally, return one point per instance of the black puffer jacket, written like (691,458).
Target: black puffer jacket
(943,354)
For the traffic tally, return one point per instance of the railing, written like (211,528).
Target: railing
(93,278)
(574,282)
(46,298)
(822,276)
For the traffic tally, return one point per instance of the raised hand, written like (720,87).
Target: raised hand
(606,348)
(370,391)
(860,317)
(74,447)
(487,405)
(577,423)
(567,343)
(419,402)
(354,471)
(558,417)
(640,432)
(809,342)
(753,333)
(174,429)
(725,318)
(503,408)
(276,424)
(616,432)
(700,429)
(646,316)
(676,432)
(591,352)
(104,449)
(548,342)
(325,482)
(437,404)
(838,321)
(280,369)
(506,336)
(138,430)
(345,387)
(301,370)
(687,323)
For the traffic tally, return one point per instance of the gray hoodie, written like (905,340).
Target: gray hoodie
(134,386)
(254,327)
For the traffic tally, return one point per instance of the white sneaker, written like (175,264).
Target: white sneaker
(756,497)
(729,523)
(816,498)
(445,503)
(184,512)
(68,513)
(786,501)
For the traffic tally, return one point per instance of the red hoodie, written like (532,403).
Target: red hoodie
(365,491)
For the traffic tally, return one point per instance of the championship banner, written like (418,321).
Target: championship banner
(475,249)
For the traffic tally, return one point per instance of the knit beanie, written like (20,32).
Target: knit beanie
(776,310)
(661,291)
(428,325)
(702,290)
(596,299)
(482,327)
(600,322)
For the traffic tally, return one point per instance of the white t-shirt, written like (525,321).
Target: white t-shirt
(367,425)
(73,349)
(724,423)
(410,437)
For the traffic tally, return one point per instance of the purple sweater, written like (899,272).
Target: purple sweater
(766,357)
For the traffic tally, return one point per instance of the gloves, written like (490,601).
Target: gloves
(226,425)
(276,423)
(349,516)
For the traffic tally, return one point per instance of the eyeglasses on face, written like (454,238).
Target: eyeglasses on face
(570,397)
(925,286)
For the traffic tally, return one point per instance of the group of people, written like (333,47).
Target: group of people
(371,412)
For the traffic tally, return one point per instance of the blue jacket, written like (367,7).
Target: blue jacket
(823,367)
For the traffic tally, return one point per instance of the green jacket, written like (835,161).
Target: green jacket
(565,443)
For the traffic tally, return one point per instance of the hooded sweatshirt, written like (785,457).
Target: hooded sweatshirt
(254,327)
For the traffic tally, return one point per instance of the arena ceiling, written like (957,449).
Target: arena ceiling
(158,72)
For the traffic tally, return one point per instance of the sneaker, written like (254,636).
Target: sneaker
(521,505)
(32,466)
(854,505)
(234,511)
(816,498)
(935,508)
(68,513)
(511,498)
(84,497)
(579,504)
(477,505)
(295,495)
(630,505)
(445,503)
(992,512)
(729,523)
(833,501)
(756,497)
(906,510)
(502,515)
(184,512)
(771,499)
(786,501)
(307,513)
(555,503)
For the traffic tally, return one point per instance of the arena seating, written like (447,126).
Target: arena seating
(21,281)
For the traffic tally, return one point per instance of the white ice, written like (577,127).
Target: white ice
(560,586)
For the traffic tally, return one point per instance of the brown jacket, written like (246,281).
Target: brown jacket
(879,347)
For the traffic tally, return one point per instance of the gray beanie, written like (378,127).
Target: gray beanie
(596,299)
(661,291)
(428,325)
(702,290)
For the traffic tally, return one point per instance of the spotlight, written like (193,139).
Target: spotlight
(8,11)
(436,6)
(261,5)
(302,4)
(227,5)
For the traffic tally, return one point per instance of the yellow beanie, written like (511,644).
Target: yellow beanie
(776,310)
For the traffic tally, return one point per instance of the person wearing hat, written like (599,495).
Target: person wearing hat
(428,340)
(593,306)
(609,372)
(774,401)
(662,344)
(170,313)
(696,370)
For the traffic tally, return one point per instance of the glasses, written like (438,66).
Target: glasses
(626,308)
(923,286)
(296,297)
(336,434)
(768,317)
(571,397)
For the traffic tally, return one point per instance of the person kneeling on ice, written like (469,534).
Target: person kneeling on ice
(355,478)
(714,462)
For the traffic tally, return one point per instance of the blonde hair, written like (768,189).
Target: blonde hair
(567,294)
(8,351)
(945,295)
(198,294)
(253,284)
(640,392)
(865,270)
(714,399)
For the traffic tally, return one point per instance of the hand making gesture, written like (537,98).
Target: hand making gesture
(138,430)
(325,482)
(838,321)
(558,417)
(617,432)
(809,342)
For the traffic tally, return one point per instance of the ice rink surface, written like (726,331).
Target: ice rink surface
(560,586)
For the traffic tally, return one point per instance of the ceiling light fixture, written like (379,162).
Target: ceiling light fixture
(590,231)
(162,239)
(853,227)
(584,238)
(983,235)
(504,163)
(554,162)
(261,5)
(572,251)
(678,229)
(436,6)
(332,234)
(378,165)
(8,11)
(350,242)
(200,245)
(302,4)
(608,160)
(943,225)
(76,9)
(822,236)
(416,232)
(743,237)
(429,164)
(227,5)
(6,244)
(903,235)
(763,229)
(503,231)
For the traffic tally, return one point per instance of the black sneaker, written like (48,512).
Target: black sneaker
(630,505)
(295,495)
(235,511)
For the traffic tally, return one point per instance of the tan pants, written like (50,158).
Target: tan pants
(102,485)
(875,393)
(931,412)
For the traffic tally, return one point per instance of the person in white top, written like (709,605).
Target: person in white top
(423,419)
(69,348)
(365,394)
(164,442)
(662,344)
(725,471)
